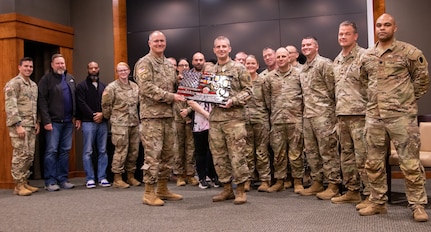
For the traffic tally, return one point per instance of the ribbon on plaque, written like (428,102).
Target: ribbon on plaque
(205,87)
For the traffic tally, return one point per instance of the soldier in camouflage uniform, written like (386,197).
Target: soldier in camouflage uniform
(397,75)
(269,59)
(351,101)
(120,106)
(184,163)
(320,141)
(156,78)
(227,126)
(283,95)
(257,126)
(21,119)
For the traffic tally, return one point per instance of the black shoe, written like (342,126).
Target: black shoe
(216,183)
(203,184)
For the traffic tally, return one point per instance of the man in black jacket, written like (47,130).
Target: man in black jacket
(94,126)
(56,105)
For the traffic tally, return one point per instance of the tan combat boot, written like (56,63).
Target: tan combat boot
(226,194)
(297,185)
(131,179)
(315,188)
(364,204)
(180,181)
(20,190)
(192,180)
(372,209)
(329,193)
(118,181)
(150,197)
(31,188)
(287,184)
(419,213)
(349,197)
(278,186)
(164,193)
(247,186)
(263,186)
(240,197)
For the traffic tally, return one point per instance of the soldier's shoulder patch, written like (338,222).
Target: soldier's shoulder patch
(141,70)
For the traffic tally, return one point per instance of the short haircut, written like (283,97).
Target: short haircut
(25,59)
(311,37)
(56,56)
(350,23)
(222,37)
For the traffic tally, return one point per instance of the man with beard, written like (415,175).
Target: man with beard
(94,126)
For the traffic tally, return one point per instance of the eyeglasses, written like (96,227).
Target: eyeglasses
(183,65)
(122,70)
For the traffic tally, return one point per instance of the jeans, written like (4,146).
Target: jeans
(95,135)
(56,160)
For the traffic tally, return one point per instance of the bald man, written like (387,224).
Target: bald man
(397,76)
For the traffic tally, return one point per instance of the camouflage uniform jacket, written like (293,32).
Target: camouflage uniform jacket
(283,95)
(21,102)
(156,78)
(241,91)
(350,89)
(256,110)
(120,103)
(318,87)
(397,78)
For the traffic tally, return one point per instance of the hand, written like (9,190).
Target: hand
(179,98)
(78,124)
(48,127)
(184,113)
(228,104)
(21,131)
(98,117)
(37,128)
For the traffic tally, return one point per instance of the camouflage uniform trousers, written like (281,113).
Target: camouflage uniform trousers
(227,145)
(158,137)
(353,152)
(287,143)
(404,133)
(320,143)
(23,153)
(126,142)
(256,150)
(184,162)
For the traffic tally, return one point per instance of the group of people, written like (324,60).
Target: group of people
(338,116)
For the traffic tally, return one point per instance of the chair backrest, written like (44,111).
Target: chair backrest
(425,135)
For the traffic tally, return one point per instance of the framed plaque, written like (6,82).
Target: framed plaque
(205,87)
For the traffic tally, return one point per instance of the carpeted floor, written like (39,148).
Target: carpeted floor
(110,209)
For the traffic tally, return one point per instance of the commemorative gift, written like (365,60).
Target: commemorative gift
(205,87)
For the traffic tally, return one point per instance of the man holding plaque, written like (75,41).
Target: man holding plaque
(227,134)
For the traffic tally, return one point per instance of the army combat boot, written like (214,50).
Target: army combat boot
(20,190)
(297,185)
(226,194)
(315,188)
(329,193)
(287,184)
(372,209)
(131,179)
(241,196)
(31,188)
(263,186)
(363,204)
(118,182)
(278,186)
(164,193)
(349,197)
(192,180)
(150,197)
(247,186)
(419,213)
